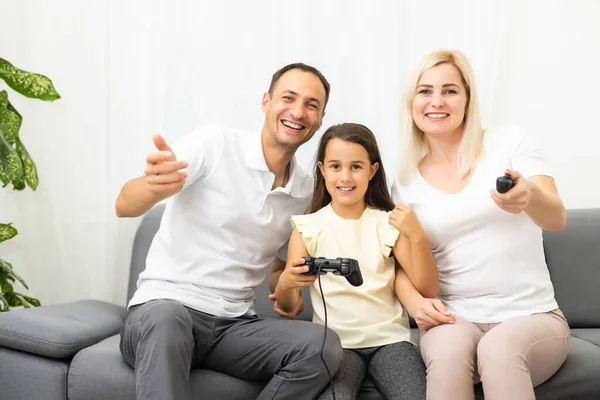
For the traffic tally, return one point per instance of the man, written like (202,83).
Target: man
(231,194)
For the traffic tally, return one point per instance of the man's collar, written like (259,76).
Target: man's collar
(255,159)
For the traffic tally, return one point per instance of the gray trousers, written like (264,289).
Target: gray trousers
(396,369)
(162,340)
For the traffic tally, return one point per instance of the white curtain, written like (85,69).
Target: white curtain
(128,69)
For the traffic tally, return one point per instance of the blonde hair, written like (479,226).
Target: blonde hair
(413,141)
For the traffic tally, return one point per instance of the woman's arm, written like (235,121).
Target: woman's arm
(426,312)
(545,208)
(537,196)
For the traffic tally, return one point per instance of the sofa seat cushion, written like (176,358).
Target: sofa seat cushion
(578,377)
(27,376)
(99,372)
(592,335)
(60,330)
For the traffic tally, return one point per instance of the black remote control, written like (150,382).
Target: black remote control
(504,183)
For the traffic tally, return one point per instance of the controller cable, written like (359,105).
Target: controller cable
(325,331)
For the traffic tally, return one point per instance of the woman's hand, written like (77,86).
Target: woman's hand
(517,198)
(403,219)
(430,313)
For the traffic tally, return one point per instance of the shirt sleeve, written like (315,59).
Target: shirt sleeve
(309,230)
(199,149)
(527,157)
(387,234)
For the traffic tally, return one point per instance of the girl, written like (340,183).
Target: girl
(351,216)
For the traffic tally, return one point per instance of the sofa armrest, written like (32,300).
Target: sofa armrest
(60,331)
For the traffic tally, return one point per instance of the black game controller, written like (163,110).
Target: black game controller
(346,267)
(504,183)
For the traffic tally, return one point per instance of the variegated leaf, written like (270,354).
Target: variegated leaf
(11,163)
(13,299)
(3,178)
(10,119)
(5,265)
(30,300)
(28,84)
(4,304)
(7,231)
(31,176)
(6,287)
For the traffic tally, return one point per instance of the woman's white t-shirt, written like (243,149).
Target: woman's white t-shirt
(491,263)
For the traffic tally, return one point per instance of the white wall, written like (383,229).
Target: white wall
(128,69)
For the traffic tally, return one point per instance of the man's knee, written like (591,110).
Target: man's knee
(166,319)
(316,348)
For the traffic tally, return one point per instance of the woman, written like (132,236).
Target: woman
(508,331)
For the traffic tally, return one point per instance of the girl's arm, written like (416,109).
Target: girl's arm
(291,279)
(426,312)
(413,253)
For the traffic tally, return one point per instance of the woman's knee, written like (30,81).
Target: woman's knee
(449,347)
(499,350)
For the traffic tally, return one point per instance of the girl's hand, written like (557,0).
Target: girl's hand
(292,277)
(403,219)
(432,312)
(517,198)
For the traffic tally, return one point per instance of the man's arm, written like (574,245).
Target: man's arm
(277,267)
(162,179)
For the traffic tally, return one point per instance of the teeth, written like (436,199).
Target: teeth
(292,125)
(345,189)
(437,115)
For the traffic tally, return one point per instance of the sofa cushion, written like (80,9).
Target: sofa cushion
(578,377)
(27,376)
(592,335)
(60,330)
(99,372)
(574,263)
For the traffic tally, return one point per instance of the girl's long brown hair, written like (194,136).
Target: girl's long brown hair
(377,195)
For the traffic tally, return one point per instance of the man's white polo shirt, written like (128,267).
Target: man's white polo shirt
(219,234)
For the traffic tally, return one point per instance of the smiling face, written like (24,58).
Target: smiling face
(347,171)
(440,101)
(294,110)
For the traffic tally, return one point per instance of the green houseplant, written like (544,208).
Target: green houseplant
(16,166)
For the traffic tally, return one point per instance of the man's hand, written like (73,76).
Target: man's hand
(292,277)
(292,314)
(517,198)
(430,313)
(403,219)
(163,171)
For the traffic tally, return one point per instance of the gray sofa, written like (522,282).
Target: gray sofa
(70,351)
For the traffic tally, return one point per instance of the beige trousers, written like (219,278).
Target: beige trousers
(509,358)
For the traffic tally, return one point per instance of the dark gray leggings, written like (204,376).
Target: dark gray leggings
(396,369)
